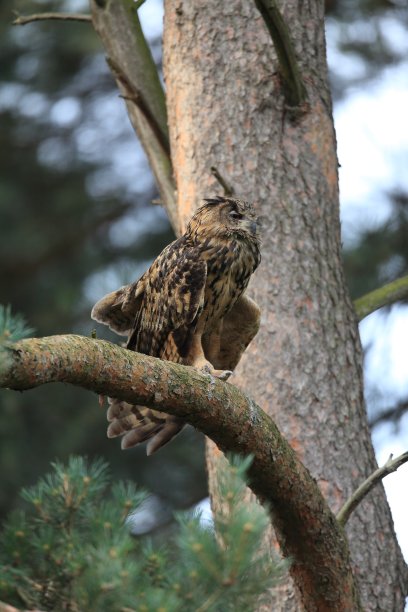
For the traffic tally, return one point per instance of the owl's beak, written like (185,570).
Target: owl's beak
(254,227)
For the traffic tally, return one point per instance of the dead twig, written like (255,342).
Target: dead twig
(24,19)
(351,504)
(228,189)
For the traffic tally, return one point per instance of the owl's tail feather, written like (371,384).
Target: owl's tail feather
(137,424)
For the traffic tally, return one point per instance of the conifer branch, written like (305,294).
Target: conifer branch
(307,530)
(351,504)
(383,296)
(294,89)
(24,19)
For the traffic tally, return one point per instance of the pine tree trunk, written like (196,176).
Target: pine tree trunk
(226,109)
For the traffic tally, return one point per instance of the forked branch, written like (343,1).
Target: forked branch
(118,25)
(306,528)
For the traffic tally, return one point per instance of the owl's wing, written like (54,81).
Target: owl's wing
(159,312)
(172,302)
(240,325)
(119,309)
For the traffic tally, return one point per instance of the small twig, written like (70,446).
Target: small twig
(351,504)
(24,19)
(295,91)
(135,96)
(384,296)
(393,414)
(228,189)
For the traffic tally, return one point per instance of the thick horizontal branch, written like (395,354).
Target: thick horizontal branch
(351,504)
(24,19)
(294,89)
(306,528)
(384,296)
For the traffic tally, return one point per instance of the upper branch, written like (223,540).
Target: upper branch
(118,26)
(384,296)
(295,91)
(307,529)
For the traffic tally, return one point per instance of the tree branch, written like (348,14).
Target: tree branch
(307,530)
(136,97)
(384,296)
(24,19)
(118,25)
(294,89)
(228,189)
(393,414)
(351,504)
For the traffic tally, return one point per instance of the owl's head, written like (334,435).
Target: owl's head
(226,216)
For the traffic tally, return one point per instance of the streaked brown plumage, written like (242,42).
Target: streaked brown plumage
(189,307)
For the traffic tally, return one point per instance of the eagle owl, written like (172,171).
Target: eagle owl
(189,307)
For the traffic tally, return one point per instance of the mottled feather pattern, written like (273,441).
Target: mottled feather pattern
(188,308)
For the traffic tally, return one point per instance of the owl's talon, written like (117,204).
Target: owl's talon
(223,374)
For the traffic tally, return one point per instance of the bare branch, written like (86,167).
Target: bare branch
(24,19)
(384,296)
(118,25)
(295,91)
(133,94)
(393,414)
(306,528)
(228,189)
(351,504)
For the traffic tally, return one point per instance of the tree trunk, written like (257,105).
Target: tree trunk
(226,109)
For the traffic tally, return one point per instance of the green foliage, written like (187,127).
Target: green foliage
(72,550)
(12,327)
(229,571)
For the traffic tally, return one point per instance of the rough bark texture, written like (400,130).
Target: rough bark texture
(306,528)
(226,109)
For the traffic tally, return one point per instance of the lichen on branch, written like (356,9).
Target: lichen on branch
(383,296)
(307,530)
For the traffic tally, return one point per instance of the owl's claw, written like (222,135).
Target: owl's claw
(221,374)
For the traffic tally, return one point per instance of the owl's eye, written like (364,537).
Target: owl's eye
(236,215)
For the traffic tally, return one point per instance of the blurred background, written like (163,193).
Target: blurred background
(77,221)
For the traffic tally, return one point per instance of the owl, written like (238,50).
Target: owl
(189,307)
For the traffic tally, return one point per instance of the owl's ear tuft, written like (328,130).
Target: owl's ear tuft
(217,200)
